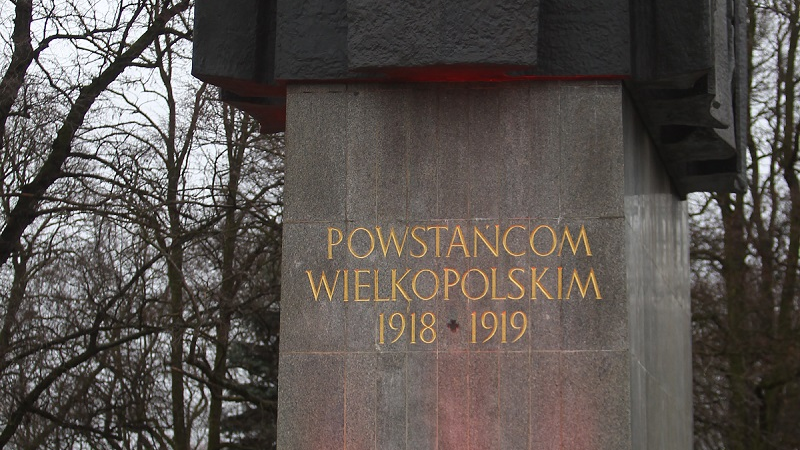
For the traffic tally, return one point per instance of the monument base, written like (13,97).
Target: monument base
(480,266)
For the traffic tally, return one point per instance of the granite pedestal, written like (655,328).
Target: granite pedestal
(480,266)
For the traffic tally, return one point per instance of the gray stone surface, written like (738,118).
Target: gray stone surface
(657,261)
(453,411)
(483,394)
(513,392)
(589,323)
(452,163)
(422,402)
(308,333)
(589,143)
(588,373)
(391,409)
(423,192)
(546,400)
(322,165)
(312,412)
(360,404)
(596,401)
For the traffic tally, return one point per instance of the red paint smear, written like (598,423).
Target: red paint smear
(273,117)
(246,88)
(466,73)
(451,74)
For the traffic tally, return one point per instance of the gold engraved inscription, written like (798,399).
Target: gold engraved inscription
(543,240)
(532,280)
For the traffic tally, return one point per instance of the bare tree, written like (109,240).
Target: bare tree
(141,235)
(109,43)
(745,263)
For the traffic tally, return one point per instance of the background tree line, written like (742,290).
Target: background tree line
(139,240)
(140,243)
(745,251)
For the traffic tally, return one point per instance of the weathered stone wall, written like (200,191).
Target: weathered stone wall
(657,260)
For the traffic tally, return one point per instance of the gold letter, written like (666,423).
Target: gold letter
(447,284)
(330,240)
(574,245)
(458,234)
(585,287)
(516,283)
(396,285)
(435,287)
(322,280)
(350,243)
(533,235)
(346,285)
(494,285)
(477,234)
(485,284)
(560,282)
(437,228)
(421,242)
(536,283)
(377,298)
(358,286)
(505,241)
(392,237)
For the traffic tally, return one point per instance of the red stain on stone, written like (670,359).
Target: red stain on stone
(266,102)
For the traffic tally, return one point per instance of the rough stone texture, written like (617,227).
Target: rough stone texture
(589,373)
(582,38)
(234,48)
(684,61)
(311,40)
(689,86)
(322,159)
(241,53)
(441,32)
(316,404)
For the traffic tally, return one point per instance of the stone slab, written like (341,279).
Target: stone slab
(497,275)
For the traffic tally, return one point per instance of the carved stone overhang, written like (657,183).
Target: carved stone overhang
(683,61)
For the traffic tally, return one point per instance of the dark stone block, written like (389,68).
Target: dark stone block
(670,42)
(234,44)
(311,42)
(441,33)
(585,37)
(684,61)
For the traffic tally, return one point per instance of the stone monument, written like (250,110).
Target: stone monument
(485,244)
